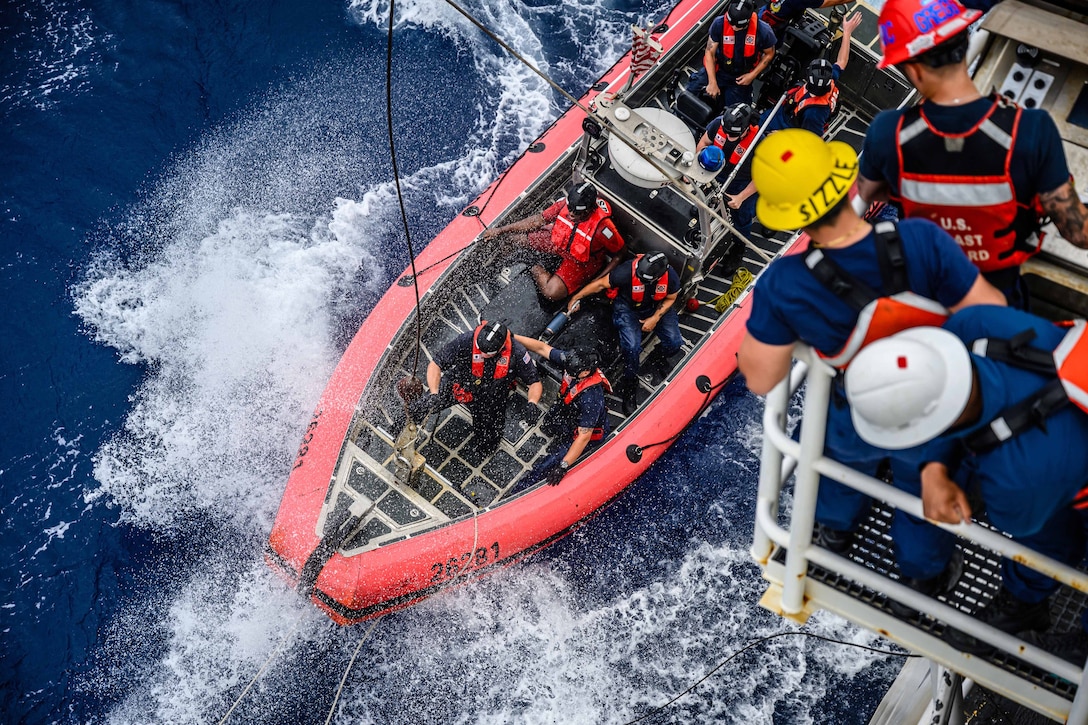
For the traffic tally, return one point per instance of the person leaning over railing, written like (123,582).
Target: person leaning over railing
(1027,453)
(804,182)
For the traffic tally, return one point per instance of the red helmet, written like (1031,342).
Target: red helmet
(909,28)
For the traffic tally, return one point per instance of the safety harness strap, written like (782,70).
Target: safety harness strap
(1016,419)
(851,290)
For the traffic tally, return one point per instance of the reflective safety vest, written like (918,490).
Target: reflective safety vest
(879,316)
(577,241)
(570,390)
(727,50)
(720,140)
(638,287)
(1067,364)
(798,99)
(962,183)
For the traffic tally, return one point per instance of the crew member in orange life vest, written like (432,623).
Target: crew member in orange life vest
(578,421)
(642,293)
(980,166)
(813,103)
(739,48)
(804,182)
(479,368)
(578,232)
(734,132)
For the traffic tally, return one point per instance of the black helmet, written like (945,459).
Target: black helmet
(491,336)
(819,76)
(736,118)
(582,198)
(651,266)
(575,361)
(739,13)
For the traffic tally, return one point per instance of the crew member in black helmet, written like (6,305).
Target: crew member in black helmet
(578,421)
(739,48)
(642,293)
(578,230)
(734,132)
(479,368)
(812,103)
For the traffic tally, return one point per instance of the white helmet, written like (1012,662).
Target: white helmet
(909,388)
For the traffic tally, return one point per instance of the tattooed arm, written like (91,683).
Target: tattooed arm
(1068,214)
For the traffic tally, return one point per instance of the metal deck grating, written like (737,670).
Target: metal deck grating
(974,589)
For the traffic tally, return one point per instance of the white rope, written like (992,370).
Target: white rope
(345,677)
(276,651)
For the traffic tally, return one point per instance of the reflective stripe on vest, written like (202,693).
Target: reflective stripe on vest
(568,392)
(720,140)
(577,243)
(501,367)
(638,287)
(728,47)
(879,316)
(962,182)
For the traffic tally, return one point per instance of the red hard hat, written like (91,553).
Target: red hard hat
(909,28)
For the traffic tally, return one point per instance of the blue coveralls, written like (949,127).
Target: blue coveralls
(1028,482)
(790,304)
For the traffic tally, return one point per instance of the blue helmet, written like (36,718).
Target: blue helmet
(712,158)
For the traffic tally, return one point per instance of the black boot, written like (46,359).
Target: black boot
(627,391)
(1004,612)
(931,587)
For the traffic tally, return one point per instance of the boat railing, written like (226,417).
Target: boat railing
(783,547)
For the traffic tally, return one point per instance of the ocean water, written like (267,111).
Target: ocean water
(198,210)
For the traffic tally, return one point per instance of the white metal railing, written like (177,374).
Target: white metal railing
(781,454)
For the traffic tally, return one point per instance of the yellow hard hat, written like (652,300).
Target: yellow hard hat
(800,177)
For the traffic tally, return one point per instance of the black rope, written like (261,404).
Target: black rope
(752,644)
(396,177)
(635,451)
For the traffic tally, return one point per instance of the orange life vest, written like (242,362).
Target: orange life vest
(962,182)
(577,241)
(798,99)
(879,316)
(570,390)
(1068,364)
(638,287)
(720,140)
(501,367)
(728,47)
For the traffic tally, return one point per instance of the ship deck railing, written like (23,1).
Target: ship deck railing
(805,577)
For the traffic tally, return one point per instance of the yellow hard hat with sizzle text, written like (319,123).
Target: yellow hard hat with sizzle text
(800,177)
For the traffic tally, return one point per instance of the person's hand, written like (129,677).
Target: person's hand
(733,202)
(649,324)
(574,307)
(851,23)
(747,78)
(942,499)
(712,89)
(489,233)
(555,475)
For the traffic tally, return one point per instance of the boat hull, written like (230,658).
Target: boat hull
(353,588)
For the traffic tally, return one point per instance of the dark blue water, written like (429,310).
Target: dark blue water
(197,211)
